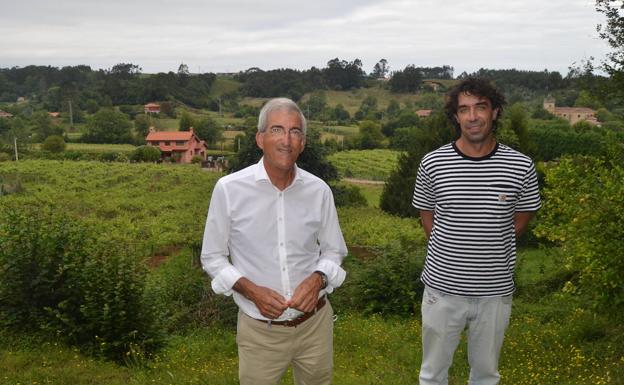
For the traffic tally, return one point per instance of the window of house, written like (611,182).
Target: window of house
(180,143)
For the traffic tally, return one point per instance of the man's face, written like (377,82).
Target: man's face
(475,116)
(282,141)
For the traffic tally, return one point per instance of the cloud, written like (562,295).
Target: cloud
(226,35)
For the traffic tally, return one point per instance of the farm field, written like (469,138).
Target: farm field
(553,338)
(365,164)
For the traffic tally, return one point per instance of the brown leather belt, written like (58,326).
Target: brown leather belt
(299,320)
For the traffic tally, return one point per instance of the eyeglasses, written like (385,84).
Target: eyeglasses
(280,131)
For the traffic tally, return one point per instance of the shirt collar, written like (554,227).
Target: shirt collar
(261,173)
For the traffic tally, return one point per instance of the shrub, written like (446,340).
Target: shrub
(145,154)
(196,159)
(54,144)
(348,195)
(182,290)
(4,157)
(63,277)
(584,213)
(387,283)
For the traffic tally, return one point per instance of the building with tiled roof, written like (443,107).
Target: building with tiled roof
(571,114)
(423,113)
(180,146)
(4,114)
(152,108)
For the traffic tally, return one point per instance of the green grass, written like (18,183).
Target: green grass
(223,85)
(365,164)
(553,337)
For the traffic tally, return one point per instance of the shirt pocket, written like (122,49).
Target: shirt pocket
(503,195)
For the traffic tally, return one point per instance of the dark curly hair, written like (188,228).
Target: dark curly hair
(476,87)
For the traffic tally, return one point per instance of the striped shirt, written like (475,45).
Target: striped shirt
(472,247)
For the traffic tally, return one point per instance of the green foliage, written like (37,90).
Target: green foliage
(146,154)
(182,291)
(186,121)
(347,195)
(54,144)
(142,124)
(387,282)
(398,191)
(516,120)
(63,277)
(407,80)
(583,212)
(108,126)
(370,135)
(208,129)
(551,143)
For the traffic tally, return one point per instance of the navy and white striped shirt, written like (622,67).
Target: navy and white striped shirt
(472,248)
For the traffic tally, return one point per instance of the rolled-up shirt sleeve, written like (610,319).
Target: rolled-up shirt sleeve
(333,247)
(215,250)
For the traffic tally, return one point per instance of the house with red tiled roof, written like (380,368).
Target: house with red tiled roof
(423,113)
(180,146)
(152,108)
(571,114)
(4,114)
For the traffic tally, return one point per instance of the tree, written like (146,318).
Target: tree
(613,33)
(43,125)
(408,80)
(53,143)
(517,121)
(142,124)
(381,69)
(370,135)
(209,130)
(396,197)
(108,126)
(186,121)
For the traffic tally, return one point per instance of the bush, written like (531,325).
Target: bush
(145,154)
(347,195)
(182,290)
(584,213)
(54,144)
(387,284)
(4,157)
(63,277)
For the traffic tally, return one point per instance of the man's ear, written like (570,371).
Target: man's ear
(495,114)
(260,140)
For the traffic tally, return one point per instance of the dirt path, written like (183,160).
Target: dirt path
(363,181)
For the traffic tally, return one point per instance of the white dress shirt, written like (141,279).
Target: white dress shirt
(274,238)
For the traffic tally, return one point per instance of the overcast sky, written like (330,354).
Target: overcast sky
(233,35)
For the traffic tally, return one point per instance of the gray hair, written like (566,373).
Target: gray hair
(278,104)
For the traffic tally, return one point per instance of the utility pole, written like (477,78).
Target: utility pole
(15,146)
(71,116)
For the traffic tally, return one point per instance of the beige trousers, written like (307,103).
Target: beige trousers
(264,352)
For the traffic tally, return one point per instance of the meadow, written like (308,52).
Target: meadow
(554,338)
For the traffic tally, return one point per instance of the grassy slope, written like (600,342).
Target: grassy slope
(552,339)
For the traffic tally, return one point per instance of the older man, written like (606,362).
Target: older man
(278,225)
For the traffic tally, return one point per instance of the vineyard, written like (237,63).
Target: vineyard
(365,164)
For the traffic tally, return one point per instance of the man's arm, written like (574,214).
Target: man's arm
(426,217)
(521,221)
